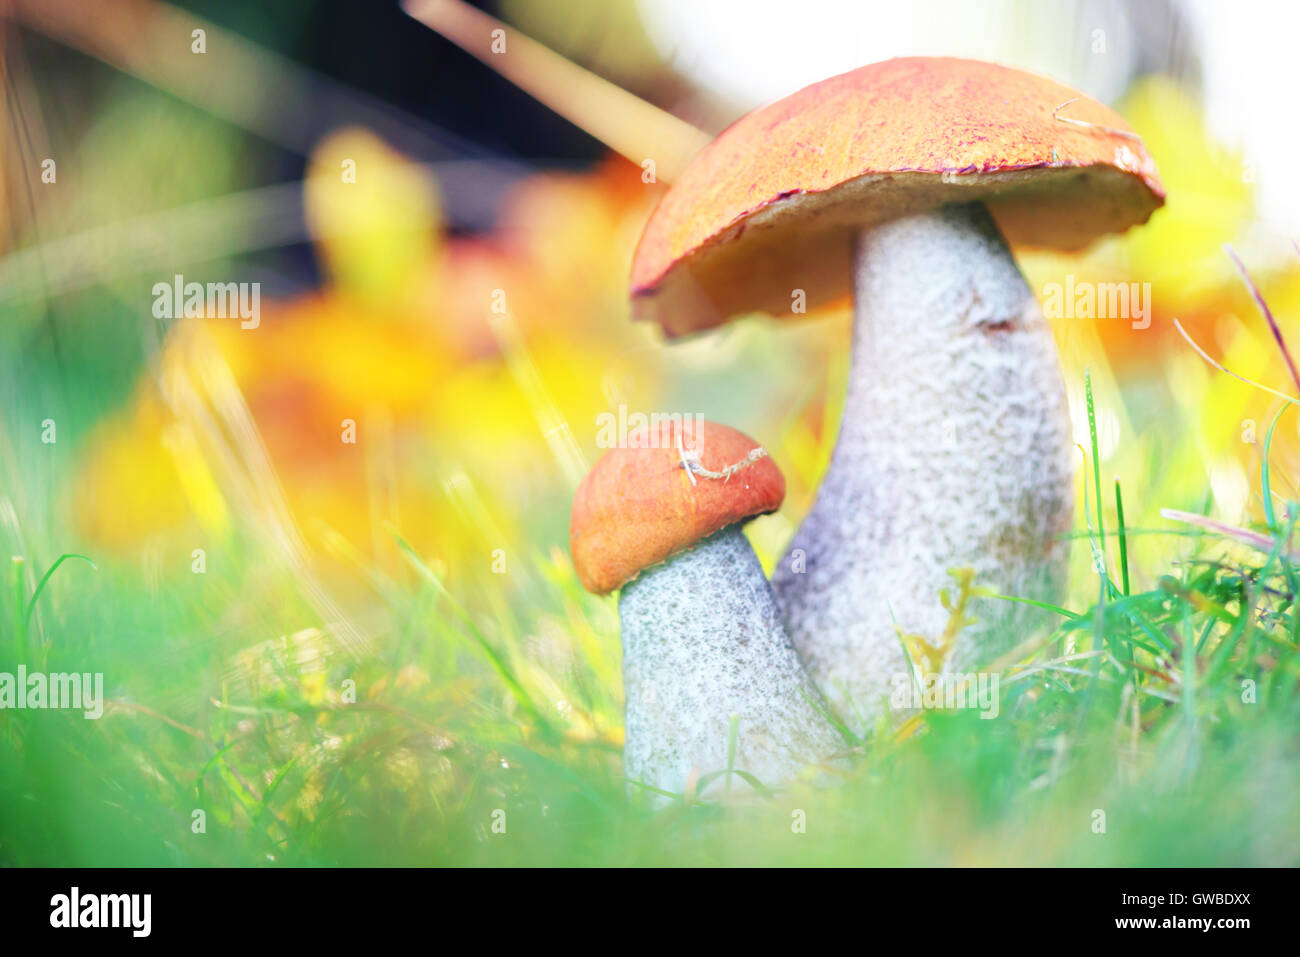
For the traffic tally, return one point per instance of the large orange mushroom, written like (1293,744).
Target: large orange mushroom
(702,638)
(901,183)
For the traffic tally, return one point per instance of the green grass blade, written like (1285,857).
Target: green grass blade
(20,623)
(1123,537)
(1265,473)
(495,658)
(1096,472)
(40,586)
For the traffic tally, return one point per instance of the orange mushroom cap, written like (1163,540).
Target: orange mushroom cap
(772,204)
(638,506)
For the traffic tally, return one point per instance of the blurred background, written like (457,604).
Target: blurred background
(267,508)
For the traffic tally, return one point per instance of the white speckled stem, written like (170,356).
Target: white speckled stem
(954,451)
(702,640)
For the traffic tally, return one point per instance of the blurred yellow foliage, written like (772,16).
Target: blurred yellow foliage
(428,388)
(1173,423)
(376,216)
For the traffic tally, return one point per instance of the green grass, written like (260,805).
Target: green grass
(1171,710)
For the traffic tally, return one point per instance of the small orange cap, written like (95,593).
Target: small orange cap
(773,203)
(638,506)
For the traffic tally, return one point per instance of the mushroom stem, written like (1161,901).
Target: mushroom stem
(953,452)
(703,641)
